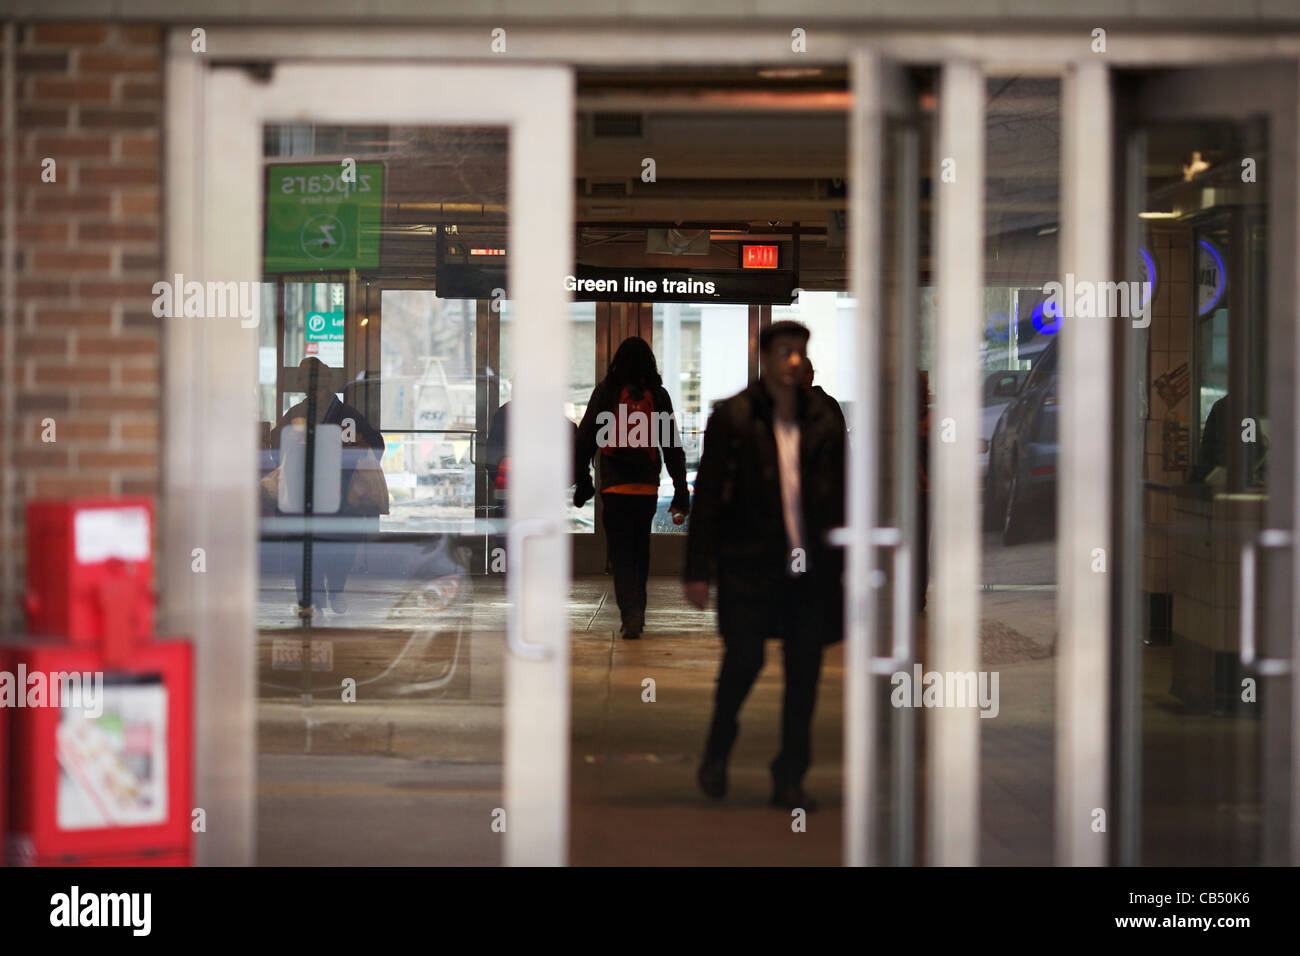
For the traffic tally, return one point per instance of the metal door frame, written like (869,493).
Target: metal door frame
(1209,94)
(214,224)
(881,92)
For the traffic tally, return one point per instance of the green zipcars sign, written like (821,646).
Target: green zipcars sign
(316,219)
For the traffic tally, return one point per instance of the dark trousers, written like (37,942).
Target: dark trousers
(627,520)
(331,560)
(741,664)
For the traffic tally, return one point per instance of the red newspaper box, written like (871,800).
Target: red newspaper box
(90,571)
(103,778)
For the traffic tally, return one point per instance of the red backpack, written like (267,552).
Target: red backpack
(632,438)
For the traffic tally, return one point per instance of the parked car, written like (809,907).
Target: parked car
(1020,484)
(1000,388)
(403,633)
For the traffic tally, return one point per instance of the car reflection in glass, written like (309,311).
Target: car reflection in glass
(1020,481)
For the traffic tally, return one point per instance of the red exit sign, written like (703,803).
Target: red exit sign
(760,257)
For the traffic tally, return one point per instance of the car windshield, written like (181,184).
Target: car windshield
(1046,364)
(1000,387)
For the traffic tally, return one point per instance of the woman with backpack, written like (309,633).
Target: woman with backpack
(629,428)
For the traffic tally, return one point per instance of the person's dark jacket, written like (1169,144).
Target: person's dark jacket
(366,438)
(635,467)
(737,533)
(1214,443)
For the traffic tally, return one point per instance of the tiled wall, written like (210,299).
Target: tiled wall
(1168,349)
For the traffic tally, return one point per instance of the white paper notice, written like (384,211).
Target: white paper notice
(113,769)
(104,533)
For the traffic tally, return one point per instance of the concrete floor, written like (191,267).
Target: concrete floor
(413,779)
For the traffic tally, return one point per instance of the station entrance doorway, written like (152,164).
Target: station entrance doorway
(991,461)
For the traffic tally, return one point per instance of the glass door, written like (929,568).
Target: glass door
(1207,482)
(876,371)
(376,665)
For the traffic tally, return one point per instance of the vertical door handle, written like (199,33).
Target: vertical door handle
(901,649)
(521,531)
(1264,666)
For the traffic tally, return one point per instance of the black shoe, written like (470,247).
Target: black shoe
(792,796)
(633,627)
(712,778)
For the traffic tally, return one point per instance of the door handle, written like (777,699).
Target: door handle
(521,531)
(901,642)
(1264,666)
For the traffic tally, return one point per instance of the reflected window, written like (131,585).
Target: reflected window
(427,408)
(703,356)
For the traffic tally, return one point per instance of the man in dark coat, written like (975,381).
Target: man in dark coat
(333,554)
(770,488)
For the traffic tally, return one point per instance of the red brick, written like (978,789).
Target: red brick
(112,117)
(117,345)
(140,486)
(42,345)
(50,486)
(69,33)
(135,91)
(49,117)
(54,201)
(32,288)
(68,146)
(117,459)
(118,176)
(31,171)
(72,261)
(137,376)
(44,231)
(139,431)
(115,231)
(80,374)
(44,455)
(138,204)
(42,63)
(139,147)
(67,428)
(43,404)
(59,88)
(141,320)
(89,62)
(118,402)
(108,289)
(140,34)
(74,318)
(143,262)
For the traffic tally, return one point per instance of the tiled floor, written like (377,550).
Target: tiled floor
(413,780)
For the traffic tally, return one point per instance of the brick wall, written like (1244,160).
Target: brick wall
(88,96)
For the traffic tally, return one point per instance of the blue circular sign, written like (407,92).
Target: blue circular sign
(1148,275)
(1210,277)
(1046,321)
